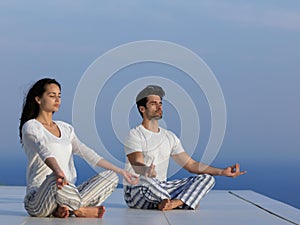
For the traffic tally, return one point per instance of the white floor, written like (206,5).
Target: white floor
(217,208)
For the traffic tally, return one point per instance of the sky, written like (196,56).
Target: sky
(250,48)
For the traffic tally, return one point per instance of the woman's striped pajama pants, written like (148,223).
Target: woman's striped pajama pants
(43,201)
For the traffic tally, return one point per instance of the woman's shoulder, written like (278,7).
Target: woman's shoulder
(64,125)
(32,126)
(32,123)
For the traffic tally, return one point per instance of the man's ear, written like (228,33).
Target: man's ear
(37,99)
(142,109)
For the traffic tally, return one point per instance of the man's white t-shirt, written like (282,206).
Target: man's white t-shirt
(156,148)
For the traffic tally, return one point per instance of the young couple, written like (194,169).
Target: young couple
(51,175)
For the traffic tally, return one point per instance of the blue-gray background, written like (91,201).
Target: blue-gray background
(252,48)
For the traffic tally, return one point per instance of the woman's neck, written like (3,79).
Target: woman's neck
(45,119)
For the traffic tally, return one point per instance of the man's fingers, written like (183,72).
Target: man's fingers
(60,182)
(151,169)
(152,166)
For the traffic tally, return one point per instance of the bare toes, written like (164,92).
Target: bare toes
(61,212)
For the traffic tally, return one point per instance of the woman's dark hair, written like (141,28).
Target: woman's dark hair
(30,106)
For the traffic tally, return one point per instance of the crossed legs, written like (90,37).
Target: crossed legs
(167,195)
(84,201)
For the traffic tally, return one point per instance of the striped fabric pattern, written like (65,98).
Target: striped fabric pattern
(150,191)
(43,201)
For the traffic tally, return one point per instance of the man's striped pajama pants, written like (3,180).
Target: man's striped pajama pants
(150,191)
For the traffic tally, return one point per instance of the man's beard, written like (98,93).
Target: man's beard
(160,112)
(157,117)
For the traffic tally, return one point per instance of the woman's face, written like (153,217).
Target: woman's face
(50,100)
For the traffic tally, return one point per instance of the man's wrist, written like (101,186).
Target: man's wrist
(220,172)
(141,169)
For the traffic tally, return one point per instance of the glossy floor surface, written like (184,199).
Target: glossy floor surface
(218,207)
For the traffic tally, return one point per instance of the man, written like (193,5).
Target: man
(149,147)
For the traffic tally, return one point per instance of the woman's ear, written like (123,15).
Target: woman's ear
(38,100)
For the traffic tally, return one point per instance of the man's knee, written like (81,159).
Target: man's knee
(146,180)
(208,179)
(212,180)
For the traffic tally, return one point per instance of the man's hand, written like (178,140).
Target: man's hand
(232,171)
(136,160)
(150,171)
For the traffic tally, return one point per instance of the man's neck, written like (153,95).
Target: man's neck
(151,125)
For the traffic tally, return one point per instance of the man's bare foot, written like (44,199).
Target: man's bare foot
(61,212)
(90,212)
(168,204)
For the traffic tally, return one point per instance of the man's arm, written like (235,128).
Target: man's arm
(136,160)
(185,161)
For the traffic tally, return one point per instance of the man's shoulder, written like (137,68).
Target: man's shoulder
(135,131)
(168,132)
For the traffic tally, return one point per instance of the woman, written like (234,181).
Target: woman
(49,146)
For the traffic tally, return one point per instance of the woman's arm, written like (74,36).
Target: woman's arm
(130,178)
(60,176)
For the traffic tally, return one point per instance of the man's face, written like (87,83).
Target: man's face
(153,108)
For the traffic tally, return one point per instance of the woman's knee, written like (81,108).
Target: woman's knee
(114,177)
(110,176)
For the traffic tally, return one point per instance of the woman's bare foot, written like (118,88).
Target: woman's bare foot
(61,212)
(90,212)
(168,204)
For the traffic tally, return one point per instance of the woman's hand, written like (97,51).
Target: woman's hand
(61,180)
(60,176)
(130,178)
